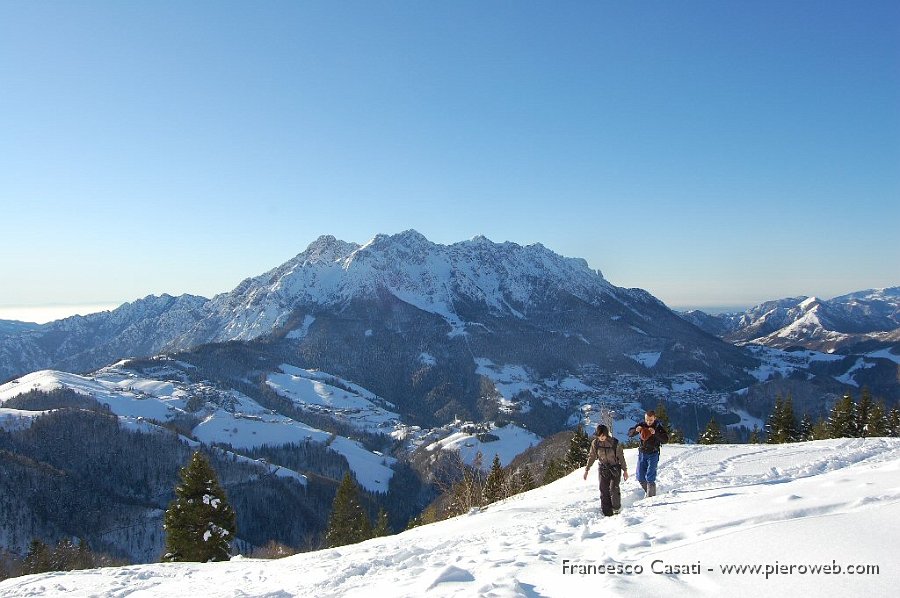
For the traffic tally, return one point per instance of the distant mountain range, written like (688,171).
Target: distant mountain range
(860,321)
(499,301)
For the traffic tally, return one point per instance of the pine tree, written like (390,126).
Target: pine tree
(842,421)
(863,409)
(493,487)
(553,470)
(382,525)
(429,515)
(199,523)
(579,447)
(820,430)
(773,422)
(349,522)
(782,425)
(805,430)
(37,559)
(877,422)
(754,435)
(526,480)
(712,434)
(790,430)
(894,422)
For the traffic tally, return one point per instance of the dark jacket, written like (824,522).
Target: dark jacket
(608,453)
(651,445)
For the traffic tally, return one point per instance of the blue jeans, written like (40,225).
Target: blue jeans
(646,469)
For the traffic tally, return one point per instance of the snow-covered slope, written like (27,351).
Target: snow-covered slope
(738,520)
(222,415)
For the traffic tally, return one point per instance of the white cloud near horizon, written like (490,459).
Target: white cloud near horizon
(41,314)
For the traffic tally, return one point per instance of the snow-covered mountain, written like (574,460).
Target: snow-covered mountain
(8,327)
(740,520)
(402,297)
(84,343)
(869,318)
(506,278)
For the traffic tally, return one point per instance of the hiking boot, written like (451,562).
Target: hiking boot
(651,489)
(644,486)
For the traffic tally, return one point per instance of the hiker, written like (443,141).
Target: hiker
(652,435)
(608,451)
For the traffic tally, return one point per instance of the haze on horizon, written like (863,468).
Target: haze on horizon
(721,155)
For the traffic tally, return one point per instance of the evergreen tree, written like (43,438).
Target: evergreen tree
(790,430)
(805,429)
(199,523)
(842,421)
(894,422)
(382,525)
(863,409)
(429,515)
(820,430)
(553,470)
(754,435)
(526,480)
(37,559)
(349,522)
(712,434)
(782,424)
(579,447)
(773,422)
(493,487)
(877,422)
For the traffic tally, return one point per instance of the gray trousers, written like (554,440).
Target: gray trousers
(610,496)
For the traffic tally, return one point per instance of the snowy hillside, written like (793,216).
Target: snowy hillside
(221,415)
(736,520)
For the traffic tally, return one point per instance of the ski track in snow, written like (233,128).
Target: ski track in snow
(807,503)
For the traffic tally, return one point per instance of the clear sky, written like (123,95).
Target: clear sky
(714,153)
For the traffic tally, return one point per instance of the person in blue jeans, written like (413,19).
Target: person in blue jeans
(652,434)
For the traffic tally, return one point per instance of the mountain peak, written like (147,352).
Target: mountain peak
(327,248)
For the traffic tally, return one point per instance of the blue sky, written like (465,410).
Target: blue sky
(713,153)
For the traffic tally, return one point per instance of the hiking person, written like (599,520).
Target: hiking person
(652,434)
(607,450)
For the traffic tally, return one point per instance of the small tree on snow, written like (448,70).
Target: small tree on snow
(349,523)
(712,434)
(494,485)
(199,523)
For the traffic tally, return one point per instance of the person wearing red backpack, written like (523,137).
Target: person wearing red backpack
(607,451)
